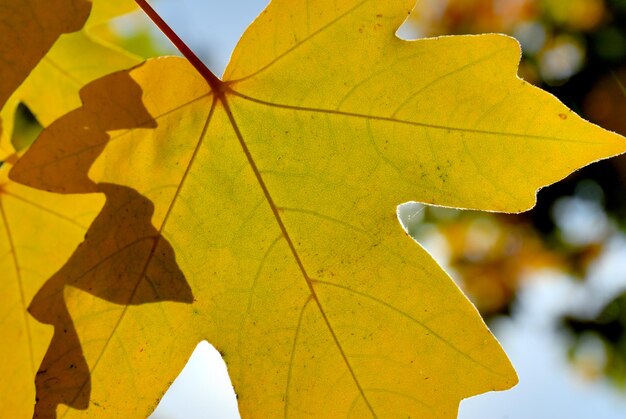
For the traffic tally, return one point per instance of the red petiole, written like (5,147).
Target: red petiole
(217,85)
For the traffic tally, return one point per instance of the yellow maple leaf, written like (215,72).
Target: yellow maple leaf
(38,232)
(277,190)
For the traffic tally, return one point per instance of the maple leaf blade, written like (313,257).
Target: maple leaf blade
(245,246)
(59,224)
(450,103)
(279,197)
(231,265)
(286,27)
(359,277)
(131,264)
(224,146)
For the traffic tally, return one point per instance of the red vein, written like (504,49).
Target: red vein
(220,88)
(294,252)
(216,84)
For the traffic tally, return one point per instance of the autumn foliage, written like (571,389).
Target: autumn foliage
(162,206)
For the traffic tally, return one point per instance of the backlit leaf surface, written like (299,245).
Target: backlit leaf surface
(38,232)
(277,190)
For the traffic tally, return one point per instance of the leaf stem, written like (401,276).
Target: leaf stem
(217,85)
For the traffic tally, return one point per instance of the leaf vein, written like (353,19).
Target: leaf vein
(405,122)
(294,252)
(409,317)
(18,276)
(293,354)
(155,244)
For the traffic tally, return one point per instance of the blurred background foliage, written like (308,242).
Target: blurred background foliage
(575,49)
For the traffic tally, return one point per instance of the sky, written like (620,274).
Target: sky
(548,389)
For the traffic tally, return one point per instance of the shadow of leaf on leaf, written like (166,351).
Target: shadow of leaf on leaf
(124,259)
(34,26)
